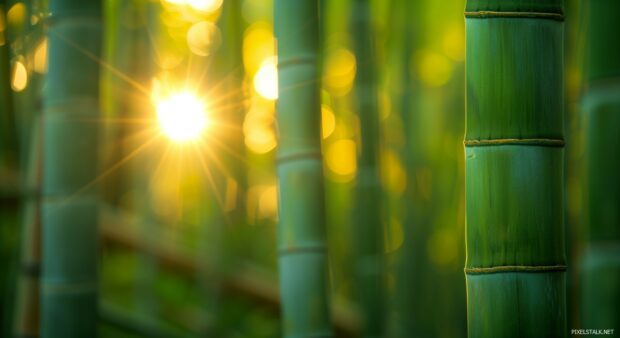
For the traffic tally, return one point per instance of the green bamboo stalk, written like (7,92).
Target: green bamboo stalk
(406,284)
(369,229)
(8,176)
(70,156)
(600,266)
(26,322)
(514,158)
(139,107)
(8,137)
(228,68)
(27,304)
(118,52)
(301,229)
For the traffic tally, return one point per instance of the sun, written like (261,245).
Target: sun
(182,116)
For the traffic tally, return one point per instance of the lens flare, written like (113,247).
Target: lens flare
(182,117)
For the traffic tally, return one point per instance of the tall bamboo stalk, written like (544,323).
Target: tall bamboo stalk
(70,144)
(27,302)
(8,176)
(514,158)
(600,267)
(301,228)
(27,305)
(228,69)
(8,137)
(369,229)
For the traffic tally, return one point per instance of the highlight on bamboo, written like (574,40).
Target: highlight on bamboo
(309,168)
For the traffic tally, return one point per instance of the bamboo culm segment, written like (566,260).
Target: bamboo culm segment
(600,265)
(27,309)
(70,143)
(514,160)
(369,234)
(301,230)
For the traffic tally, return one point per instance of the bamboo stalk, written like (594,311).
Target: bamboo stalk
(600,265)
(8,137)
(228,70)
(369,229)
(516,261)
(8,188)
(250,282)
(70,148)
(27,306)
(301,229)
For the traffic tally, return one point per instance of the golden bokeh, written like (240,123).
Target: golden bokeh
(19,76)
(341,160)
(16,14)
(340,69)
(453,42)
(266,79)
(259,134)
(268,202)
(328,121)
(434,69)
(393,175)
(203,37)
(40,57)
(258,45)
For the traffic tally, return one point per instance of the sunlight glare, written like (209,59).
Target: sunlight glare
(182,117)
(207,6)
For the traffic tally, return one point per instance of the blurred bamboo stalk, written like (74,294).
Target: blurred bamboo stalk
(301,230)
(70,164)
(27,306)
(600,265)
(514,143)
(8,127)
(25,39)
(9,178)
(368,200)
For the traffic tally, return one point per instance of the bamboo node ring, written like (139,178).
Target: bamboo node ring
(515,268)
(302,59)
(299,156)
(303,249)
(543,142)
(498,14)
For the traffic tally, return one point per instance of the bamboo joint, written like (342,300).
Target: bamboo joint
(531,15)
(515,268)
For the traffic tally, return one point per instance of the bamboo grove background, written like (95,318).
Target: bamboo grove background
(308,208)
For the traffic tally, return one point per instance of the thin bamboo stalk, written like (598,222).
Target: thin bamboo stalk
(301,229)
(70,156)
(369,229)
(148,15)
(9,181)
(600,266)
(228,70)
(8,137)
(514,158)
(27,306)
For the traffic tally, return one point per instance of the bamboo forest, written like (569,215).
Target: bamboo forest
(309,168)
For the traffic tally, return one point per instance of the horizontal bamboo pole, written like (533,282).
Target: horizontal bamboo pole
(250,282)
